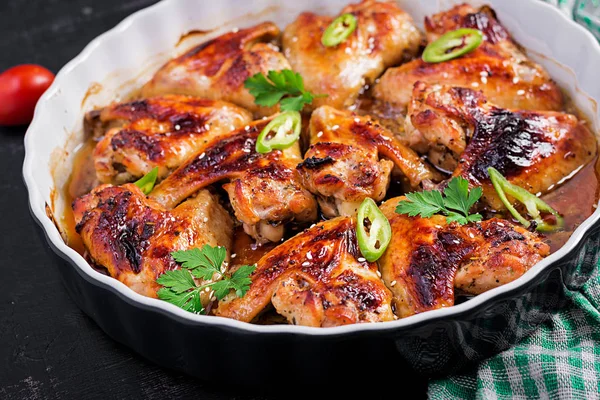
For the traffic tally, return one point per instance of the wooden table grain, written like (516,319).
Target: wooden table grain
(48,348)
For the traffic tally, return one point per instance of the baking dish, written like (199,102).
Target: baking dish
(435,342)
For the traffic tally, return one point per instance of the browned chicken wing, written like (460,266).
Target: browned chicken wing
(264,189)
(385,35)
(316,278)
(132,237)
(536,150)
(342,167)
(428,258)
(218,68)
(157,132)
(497,67)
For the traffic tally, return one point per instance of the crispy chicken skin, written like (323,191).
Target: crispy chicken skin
(264,189)
(133,236)
(385,35)
(497,67)
(315,279)
(157,132)
(428,258)
(218,68)
(350,158)
(532,149)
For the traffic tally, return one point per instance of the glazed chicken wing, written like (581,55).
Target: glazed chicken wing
(264,189)
(132,237)
(428,258)
(385,35)
(342,167)
(497,67)
(533,149)
(316,278)
(218,68)
(157,132)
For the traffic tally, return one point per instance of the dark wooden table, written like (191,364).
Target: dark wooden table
(48,347)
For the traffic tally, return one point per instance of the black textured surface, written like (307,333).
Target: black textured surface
(48,347)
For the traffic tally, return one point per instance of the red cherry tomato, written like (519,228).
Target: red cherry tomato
(20,89)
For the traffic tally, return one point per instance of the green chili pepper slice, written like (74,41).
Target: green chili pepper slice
(286,127)
(452,45)
(146,182)
(532,203)
(375,240)
(339,30)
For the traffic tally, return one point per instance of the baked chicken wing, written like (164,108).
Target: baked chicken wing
(264,189)
(218,68)
(350,158)
(157,132)
(497,67)
(384,36)
(533,149)
(132,237)
(428,258)
(316,278)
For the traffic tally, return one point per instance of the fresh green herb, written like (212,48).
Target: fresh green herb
(286,128)
(452,45)
(455,203)
(268,92)
(146,182)
(339,30)
(180,288)
(374,240)
(532,203)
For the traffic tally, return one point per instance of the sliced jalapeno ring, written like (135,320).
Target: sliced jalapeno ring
(373,240)
(532,203)
(452,45)
(286,128)
(146,182)
(339,30)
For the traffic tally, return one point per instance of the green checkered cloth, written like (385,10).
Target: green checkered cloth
(562,358)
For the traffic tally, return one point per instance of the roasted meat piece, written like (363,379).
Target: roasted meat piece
(218,68)
(264,189)
(350,158)
(428,258)
(132,237)
(385,35)
(532,149)
(497,67)
(317,278)
(157,132)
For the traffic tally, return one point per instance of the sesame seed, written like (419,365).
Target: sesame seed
(202,156)
(356,119)
(320,134)
(379,274)
(515,80)
(177,127)
(206,126)
(309,255)
(361,259)
(235,30)
(335,127)
(247,127)
(483,80)
(471,235)
(456,242)
(500,223)
(520,92)
(234,255)
(213,298)
(475,84)
(305,264)
(393,284)
(207,290)
(246,150)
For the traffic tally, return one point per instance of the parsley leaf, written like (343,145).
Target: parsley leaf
(270,90)
(180,288)
(455,204)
